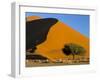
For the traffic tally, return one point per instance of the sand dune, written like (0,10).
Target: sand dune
(59,35)
(30,18)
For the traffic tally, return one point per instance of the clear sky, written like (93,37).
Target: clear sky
(77,22)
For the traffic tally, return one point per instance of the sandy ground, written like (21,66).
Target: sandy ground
(32,64)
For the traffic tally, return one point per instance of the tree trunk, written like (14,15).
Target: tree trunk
(73,56)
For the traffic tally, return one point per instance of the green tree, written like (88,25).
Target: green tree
(73,49)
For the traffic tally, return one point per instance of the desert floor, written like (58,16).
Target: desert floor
(32,64)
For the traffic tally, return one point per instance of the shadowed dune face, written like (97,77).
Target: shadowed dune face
(37,30)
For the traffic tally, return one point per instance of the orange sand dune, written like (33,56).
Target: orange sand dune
(59,35)
(29,18)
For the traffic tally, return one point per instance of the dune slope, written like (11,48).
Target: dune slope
(59,35)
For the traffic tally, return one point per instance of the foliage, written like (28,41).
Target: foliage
(73,49)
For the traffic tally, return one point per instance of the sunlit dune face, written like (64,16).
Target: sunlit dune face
(30,18)
(59,35)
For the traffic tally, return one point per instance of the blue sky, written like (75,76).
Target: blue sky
(79,23)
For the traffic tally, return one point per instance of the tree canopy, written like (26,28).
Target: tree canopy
(73,49)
